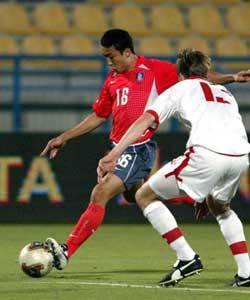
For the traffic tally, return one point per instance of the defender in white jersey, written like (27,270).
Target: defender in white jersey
(215,158)
(211,113)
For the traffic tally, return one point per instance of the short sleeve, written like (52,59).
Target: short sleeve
(103,104)
(165,75)
(165,105)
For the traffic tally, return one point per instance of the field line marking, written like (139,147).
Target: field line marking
(127,285)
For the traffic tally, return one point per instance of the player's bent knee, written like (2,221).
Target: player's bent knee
(100,195)
(225,215)
(217,208)
(144,196)
(139,197)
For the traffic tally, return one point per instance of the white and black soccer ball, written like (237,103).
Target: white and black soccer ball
(36,260)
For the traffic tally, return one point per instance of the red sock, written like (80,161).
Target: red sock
(179,200)
(89,221)
(172,235)
(238,247)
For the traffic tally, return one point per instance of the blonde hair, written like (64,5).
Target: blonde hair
(192,62)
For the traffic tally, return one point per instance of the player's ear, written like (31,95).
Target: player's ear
(127,52)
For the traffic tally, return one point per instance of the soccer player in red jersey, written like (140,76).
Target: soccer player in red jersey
(133,83)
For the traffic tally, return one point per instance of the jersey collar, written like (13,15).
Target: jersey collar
(196,77)
(139,61)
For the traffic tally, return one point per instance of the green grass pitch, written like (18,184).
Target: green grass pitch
(120,262)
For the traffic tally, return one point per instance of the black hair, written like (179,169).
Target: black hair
(192,62)
(119,39)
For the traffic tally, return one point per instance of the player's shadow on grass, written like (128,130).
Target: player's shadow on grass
(104,274)
(222,270)
(22,293)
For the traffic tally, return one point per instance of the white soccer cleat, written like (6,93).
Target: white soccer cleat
(59,252)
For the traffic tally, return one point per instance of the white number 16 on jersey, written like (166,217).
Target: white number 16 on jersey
(122,96)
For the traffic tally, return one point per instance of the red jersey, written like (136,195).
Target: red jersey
(127,95)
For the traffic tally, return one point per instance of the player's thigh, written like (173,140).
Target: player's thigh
(197,172)
(129,195)
(226,187)
(107,189)
(135,164)
(190,174)
(164,187)
(145,195)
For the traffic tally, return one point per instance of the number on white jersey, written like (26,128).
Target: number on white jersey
(209,94)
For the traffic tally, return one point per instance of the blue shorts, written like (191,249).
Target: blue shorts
(135,163)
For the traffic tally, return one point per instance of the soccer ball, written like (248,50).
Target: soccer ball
(36,260)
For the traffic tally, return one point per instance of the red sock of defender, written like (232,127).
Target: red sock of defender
(89,221)
(164,222)
(238,248)
(232,230)
(178,243)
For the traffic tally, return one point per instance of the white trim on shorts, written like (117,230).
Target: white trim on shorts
(132,165)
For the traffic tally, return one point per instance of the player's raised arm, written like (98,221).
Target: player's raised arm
(107,163)
(219,78)
(88,124)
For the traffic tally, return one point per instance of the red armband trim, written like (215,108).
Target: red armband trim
(156,117)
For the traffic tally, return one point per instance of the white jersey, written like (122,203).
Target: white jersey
(209,111)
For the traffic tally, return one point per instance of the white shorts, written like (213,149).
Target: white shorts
(199,173)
